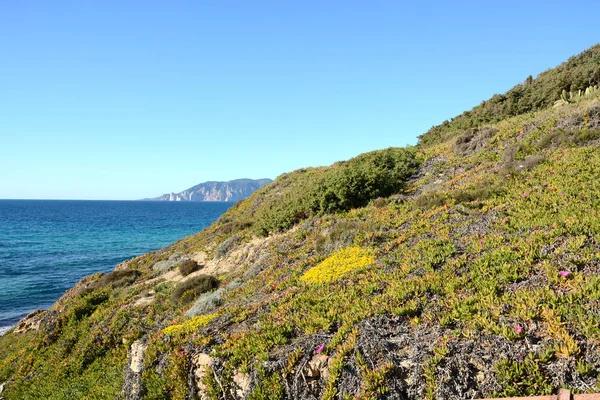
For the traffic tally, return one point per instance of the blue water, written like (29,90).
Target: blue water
(48,245)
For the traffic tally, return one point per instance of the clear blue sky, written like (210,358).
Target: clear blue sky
(129,99)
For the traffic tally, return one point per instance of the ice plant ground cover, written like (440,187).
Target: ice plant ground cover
(455,285)
(339,264)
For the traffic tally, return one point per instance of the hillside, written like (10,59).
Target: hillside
(234,190)
(464,267)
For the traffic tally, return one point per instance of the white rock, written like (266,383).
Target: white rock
(137,356)
(243,384)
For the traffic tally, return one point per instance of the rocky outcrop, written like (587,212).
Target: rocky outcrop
(235,190)
(132,387)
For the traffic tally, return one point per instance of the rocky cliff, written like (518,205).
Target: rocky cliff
(235,190)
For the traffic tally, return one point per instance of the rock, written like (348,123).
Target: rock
(318,367)
(2,387)
(201,362)
(243,384)
(137,356)
(132,387)
(480,377)
(164,265)
(30,322)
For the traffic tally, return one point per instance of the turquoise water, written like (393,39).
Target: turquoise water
(48,245)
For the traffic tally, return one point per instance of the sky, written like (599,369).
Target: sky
(131,99)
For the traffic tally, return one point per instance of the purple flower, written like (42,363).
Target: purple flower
(564,273)
(518,329)
(524,195)
(320,348)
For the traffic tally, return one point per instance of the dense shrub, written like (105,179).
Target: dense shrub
(474,139)
(578,73)
(119,278)
(187,267)
(188,290)
(341,187)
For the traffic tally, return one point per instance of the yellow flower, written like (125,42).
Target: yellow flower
(339,264)
(190,325)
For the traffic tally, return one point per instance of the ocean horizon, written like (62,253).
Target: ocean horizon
(46,246)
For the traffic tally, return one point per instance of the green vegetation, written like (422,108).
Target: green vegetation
(465,267)
(189,289)
(187,267)
(573,79)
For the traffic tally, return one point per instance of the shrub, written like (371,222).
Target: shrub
(341,187)
(187,267)
(226,246)
(430,200)
(188,290)
(474,139)
(119,278)
(340,235)
(206,303)
(87,304)
(578,73)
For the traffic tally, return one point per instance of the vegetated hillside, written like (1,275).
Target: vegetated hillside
(465,267)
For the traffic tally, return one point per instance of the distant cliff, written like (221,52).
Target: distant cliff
(235,190)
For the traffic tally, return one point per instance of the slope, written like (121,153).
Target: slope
(465,267)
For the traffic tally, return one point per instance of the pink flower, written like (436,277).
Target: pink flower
(505,220)
(524,195)
(564,273)
(518,329)
(562,193)
(507,175)
(320,348)
(549,188)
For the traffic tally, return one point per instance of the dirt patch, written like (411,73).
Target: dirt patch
(241,256)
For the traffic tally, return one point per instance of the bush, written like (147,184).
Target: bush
(341,187)
(188,290)
(578,73)
(474,139)
(187,267)
(226,246)
(430,200)
(206,303)
(119,278)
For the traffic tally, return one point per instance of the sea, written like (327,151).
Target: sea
(46,246)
